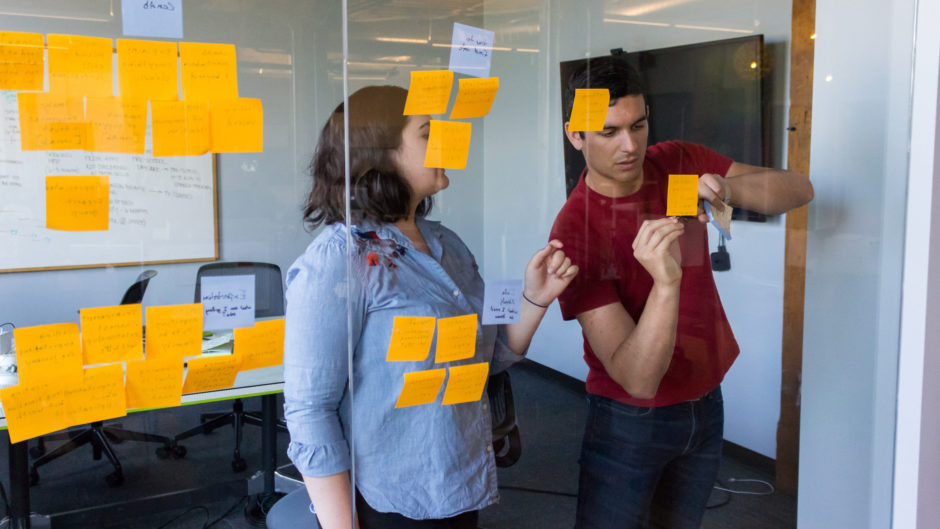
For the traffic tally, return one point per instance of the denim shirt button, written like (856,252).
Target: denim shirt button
(489,448)
(456,293)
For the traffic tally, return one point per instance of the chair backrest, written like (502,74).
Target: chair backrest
(135,292)
(269,285)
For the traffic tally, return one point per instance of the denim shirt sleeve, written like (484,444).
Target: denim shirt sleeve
(315,355)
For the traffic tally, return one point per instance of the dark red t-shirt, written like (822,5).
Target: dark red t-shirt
(598,233)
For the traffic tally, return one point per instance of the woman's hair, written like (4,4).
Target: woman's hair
(379,193)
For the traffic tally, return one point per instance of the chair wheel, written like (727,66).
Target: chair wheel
(163,452)
(36,452)
(179,452)
(33,477)
(114,479)
(239,465)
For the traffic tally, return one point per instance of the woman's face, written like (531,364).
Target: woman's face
(409,160)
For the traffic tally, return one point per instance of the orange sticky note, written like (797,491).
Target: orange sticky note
(448,144)
(99,397)
(466,383)
(208,71)
(154,383)
(179,128)
(421,387)
(210,373)
(112,334)
(429,92)
(46,349)
(77,203)
(411,338)
(682,195)
(456,338)
(173,331)
(589,110)
(80,66)
(261,345)
(51,122)
(147,69)
(21,61)
(116,124)
(236,125)
(34,410)
(474,97)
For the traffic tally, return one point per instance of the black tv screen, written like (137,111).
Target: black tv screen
(709,93)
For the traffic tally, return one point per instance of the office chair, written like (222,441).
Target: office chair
(294,509)
(101,436)
(269,302)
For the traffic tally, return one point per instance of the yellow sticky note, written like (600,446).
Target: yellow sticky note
(80,66)
(448,144)
(116,124)
(589,110)
(148,69)
(682,195)
(112,334)
(173,331)
(261,345)
(208,71)
(466,383)
(51,122)
(46,349)
(429,92)
(421,387)
(77,203)
(236,125)
(179,128)
(474,97)
(34,410)
(154,383)
(411,338)
(99,397)
(456,338)
(21,60)
(210,373)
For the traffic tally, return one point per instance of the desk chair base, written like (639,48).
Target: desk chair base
(100,437)
(236,418)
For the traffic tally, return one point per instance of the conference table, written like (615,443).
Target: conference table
(264,382)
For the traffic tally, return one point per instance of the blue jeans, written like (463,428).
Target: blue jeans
(649,467)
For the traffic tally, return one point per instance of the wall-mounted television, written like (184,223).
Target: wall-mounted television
(709,93)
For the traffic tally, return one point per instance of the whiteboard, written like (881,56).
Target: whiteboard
(161,209)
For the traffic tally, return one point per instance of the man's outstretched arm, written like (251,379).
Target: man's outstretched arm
(760,189)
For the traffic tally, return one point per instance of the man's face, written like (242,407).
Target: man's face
(614,156)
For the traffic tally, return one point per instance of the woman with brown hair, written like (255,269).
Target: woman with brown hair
(422,466)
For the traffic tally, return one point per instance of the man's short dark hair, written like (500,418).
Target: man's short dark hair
(612,72)
(380,193)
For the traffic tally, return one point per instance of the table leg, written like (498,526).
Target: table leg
(269,441)
(19,484)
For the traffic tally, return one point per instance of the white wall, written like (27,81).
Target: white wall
(525,167)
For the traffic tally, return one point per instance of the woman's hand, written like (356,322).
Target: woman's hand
(548,273)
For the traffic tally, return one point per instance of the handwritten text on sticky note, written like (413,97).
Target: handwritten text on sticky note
(21,60)
(466,383)
(589,110)
(429,92)
(173,331)
(411,338)
(99,397)
(474,97)
(448,144)
(501,300)
(80,66)
(471,50)
(456,338)
(116,124)
(154,383)
(210,373)
(682,195)
(421,387)
(148,69)
(112,334)
(261,345)
(179,128)
(236,125)
(50,122)
(77,203)
(36,409)
(228,302)
(44,349)
(208,71)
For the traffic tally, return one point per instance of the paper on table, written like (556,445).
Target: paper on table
(466,383)
(154,383)
(456,338)
(77,203)
(173,331)
(45,349)
(148,69)
(474,97)
(260,346)
(211,373)
(682,195)
(448,144)
(429,92)
(589,110)
(421,387)
(112,334)
(411,338)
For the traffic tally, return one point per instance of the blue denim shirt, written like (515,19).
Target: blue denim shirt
(427,461)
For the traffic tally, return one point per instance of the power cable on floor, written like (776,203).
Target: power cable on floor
(539,491)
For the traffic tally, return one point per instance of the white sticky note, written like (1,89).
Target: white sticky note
(228,302)
(152,18)
(471,50)
(501,300)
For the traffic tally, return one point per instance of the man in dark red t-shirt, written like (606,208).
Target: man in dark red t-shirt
(656,338)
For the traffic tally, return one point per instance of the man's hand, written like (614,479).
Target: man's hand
(655,247)
(715,190)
